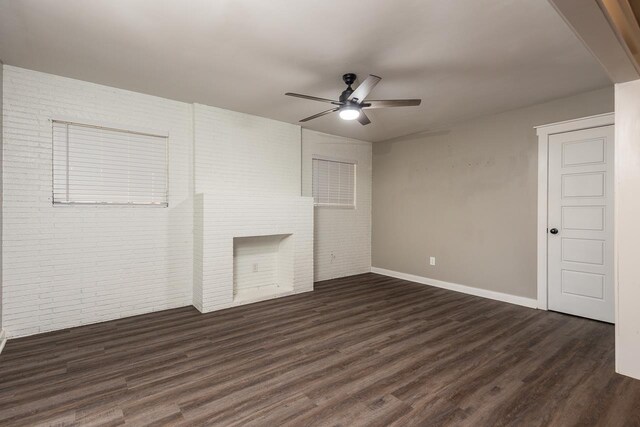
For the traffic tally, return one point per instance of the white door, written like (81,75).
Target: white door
(580,223)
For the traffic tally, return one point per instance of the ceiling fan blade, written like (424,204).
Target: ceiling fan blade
(363,119)
(365,88)
(384,103)
(312,98)
(315,116)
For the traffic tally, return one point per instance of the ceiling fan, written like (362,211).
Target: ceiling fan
(352,103)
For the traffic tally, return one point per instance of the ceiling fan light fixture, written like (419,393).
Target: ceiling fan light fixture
(351,104)
(349,113)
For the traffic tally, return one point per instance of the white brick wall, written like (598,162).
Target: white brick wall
(247,183)
(67,266)
(198,242)
(342,242)
(238,153)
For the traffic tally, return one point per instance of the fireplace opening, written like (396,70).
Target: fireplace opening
(262,266)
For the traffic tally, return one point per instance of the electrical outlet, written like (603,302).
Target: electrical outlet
(255,268)
(432,260)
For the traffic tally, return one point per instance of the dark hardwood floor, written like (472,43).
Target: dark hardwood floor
(364,350)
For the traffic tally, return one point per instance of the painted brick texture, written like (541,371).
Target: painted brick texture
(226,217)
(342,241)
(230,174)
(247,180)
(73,265)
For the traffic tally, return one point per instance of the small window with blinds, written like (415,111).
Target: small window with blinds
(334,183)
(98,165)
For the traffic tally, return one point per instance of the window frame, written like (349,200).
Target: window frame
(354,163)
(114,128)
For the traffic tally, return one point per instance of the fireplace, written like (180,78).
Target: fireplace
(262,266)
(250,248)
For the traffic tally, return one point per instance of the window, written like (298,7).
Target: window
(95,165)
(334,183)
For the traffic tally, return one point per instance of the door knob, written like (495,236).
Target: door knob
(553,231)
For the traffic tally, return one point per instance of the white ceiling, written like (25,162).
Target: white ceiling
(464,58)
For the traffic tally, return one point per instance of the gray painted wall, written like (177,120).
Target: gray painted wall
(1,184)
(467,196)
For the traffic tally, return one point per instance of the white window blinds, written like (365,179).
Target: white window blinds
(101,165)
(334,183)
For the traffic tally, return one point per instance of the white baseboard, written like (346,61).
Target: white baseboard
(3,339)
(484,293)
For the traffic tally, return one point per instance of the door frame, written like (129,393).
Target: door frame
(543,132)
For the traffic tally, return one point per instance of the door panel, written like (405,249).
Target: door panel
(583,218)
(583,152)
(580,255)
(583,284)
(584,251)
(583,185)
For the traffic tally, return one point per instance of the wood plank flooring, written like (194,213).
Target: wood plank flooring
(363,350)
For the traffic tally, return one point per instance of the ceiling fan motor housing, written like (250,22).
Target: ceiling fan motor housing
(349,79)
